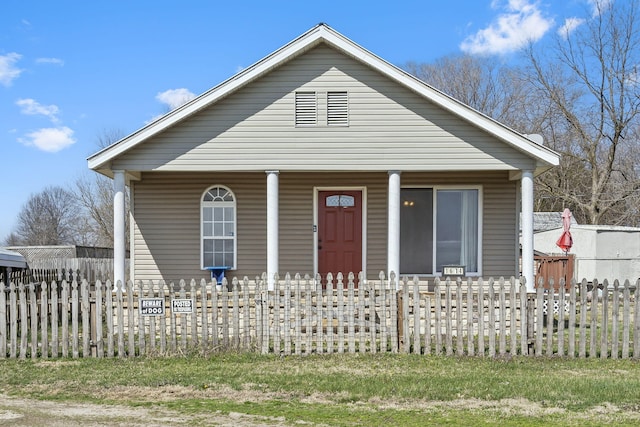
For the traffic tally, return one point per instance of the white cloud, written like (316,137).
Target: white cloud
(50,139)
(175,97)
(599,6)
(569,25)
(521,22)
(54,61)
(8,71)
(33,107)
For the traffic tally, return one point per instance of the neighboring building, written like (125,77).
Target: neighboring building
(36,253)
(600,251)
(10,261)
(549,221)
(323,157)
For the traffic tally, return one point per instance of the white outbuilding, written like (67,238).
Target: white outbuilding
(601,251)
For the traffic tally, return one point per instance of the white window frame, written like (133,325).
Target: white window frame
(435,189)
(221,204)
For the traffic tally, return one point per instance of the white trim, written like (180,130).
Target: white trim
(273,248)
(394,189)
(119,229)
(233,204)
(322,33)
(517,232)
(435,189)
(132,234)
(527,229)
(363,200)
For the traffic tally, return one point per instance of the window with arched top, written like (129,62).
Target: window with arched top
(218,228)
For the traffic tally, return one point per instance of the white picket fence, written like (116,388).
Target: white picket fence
(305,315)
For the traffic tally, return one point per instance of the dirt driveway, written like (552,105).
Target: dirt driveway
(27,412)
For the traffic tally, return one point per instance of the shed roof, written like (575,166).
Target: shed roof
(549,221)
(322,33)
(11,259)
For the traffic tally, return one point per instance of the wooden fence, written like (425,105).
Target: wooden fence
(301,316)
(58,269)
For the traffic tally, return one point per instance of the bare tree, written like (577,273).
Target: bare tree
(12,239)
(48,218)
(480,82)
(95,194)
(583,95)
(589,78)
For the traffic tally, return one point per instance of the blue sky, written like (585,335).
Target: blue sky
(71,71)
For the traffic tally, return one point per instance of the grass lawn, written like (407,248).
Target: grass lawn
(341,390)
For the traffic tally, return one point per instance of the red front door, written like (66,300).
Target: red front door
(339,232)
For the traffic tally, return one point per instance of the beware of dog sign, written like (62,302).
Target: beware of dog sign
(152,306)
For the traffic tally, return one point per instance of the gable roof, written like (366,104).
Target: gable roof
(545,158)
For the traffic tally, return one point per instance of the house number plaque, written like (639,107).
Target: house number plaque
(453,270)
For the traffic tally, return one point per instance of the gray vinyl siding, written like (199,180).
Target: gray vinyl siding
(390,127)
(166,230)
(167,225)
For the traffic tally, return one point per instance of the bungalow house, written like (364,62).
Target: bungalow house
(322,157)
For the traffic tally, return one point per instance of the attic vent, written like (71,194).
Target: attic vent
(337,109)
(306,109)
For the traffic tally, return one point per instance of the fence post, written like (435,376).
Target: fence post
(636,321)
(44,319)
(448,319)
(340,311)
(3,318)
(74,319)
(416,315)
(437,317)
(400,309)
(459,318)
(404,322)
(582,350)
(470,314)
(394,313)
(362,348)
(163,320)
(572,318)
(246,318)
(492,318)
(108,293)
(626,296)
(33,309)
(320,305)
(594,319)
(87,326)
(96,319)
(615,315)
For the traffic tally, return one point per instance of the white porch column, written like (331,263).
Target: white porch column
(119,237)
(527,228)
(272,226)
(393,231)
